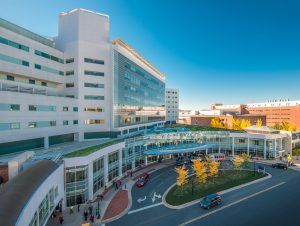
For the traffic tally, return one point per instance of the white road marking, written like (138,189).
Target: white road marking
(155,196)
(230,204)
(144,208)
(141,200)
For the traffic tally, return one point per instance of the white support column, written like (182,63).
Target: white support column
(146,160)
(133,165)
(248,146)
(265,148)
(46,142)
(105,169)
(120,160)
(219,144)
(275,147)
(90,180)
(232,146)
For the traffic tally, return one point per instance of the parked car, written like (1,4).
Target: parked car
(143,179)
(210,201)
(280,165)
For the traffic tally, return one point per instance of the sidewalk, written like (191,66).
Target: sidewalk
(114,205)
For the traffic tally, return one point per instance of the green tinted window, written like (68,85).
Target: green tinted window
(48,56)
(13,60)
(14,44)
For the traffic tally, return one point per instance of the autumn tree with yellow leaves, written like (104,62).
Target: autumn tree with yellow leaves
(182,176)
(216,123)
(237,161)
(259,122)
(245,158)
(213,169)
(236,124)
(200,170)
(245,124)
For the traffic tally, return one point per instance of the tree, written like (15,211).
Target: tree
(213,169)
(296,151)
(216,123)
(236,124)
(237,161)
(284,125)
(245,124)
(182,176)
(259,122)
(200,170)
(245,158)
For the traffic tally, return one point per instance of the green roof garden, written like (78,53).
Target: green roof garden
(90,150)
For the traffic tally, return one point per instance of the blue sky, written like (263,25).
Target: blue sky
(232,51)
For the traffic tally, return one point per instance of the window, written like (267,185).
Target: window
(31,81)
(94,121)
(47,56)
(9,107)
(14,60)
(65,109)
(10,78)
(14,44)
(93,85)
(65,122)
(69,85)
(96,109)
(75,108)
(94,73)
(69,73)
(75,122)
(48,69)
(93,61)
(92,97)
(32,124)
(70,60)
(9,126)
(44,83)
(41,108)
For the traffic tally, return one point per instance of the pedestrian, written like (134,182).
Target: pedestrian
(61,219)
(130,173)
(101,197)
(78,208)
(71,209)
(90,209)
(92,218)
(124,186)
(85,214)
(116,187)
(105,187)
(120,183)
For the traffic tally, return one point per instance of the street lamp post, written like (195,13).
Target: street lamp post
(98,208)
(254,167)
(192,186)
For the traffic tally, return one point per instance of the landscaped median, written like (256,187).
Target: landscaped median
(180,197)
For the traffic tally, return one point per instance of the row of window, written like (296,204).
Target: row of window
(93,97)
(39,124)
(48,69)
(14,44)
(28,81)
(16,107)
(93,61)
(14,60)
(94,121)
(48,56)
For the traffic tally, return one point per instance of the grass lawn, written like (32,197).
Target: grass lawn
(225,180)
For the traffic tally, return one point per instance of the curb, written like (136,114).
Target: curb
(221,193)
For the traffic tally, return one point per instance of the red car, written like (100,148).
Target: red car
(143,179)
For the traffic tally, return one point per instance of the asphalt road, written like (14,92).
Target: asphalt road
(275,201)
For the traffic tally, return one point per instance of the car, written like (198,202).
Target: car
(143,179)
(280,165)
(181,163)
(210,201)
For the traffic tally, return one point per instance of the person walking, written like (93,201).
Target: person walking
(71,209)
(85,214)
(92,218)
(78,208)
(61,219)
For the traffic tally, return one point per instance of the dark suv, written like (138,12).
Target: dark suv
(280,166)
(210,201)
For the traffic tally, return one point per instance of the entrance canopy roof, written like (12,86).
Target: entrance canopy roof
(178,150)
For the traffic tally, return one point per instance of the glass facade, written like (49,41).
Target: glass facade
(98,174)
(113,166)
(46,207)
(76,185)
(94,73)
(139,97)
